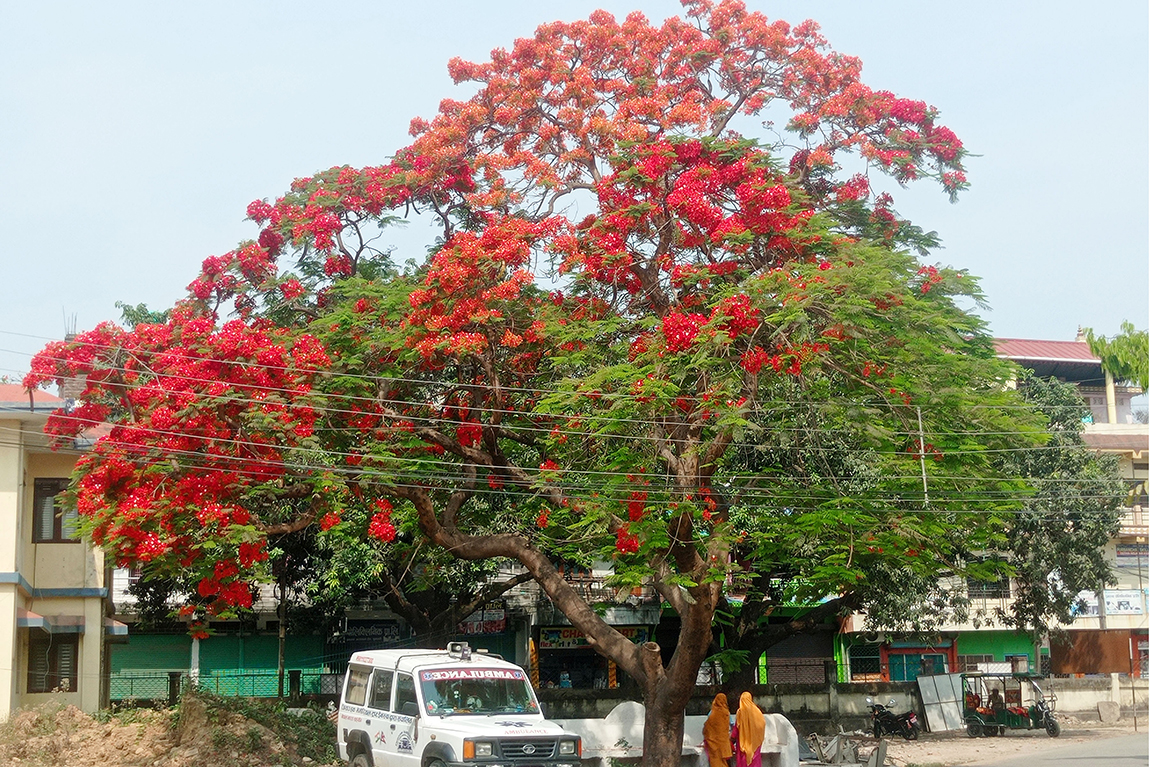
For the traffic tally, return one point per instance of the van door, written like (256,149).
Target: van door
(381,728)
(353,707)
(405,719)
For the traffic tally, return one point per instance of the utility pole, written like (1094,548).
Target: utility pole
(922,459)
(1101,606)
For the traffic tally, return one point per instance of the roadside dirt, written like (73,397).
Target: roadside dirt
(948,749)
(203,735)
(198,735)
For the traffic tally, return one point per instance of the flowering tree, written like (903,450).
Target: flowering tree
(630,303)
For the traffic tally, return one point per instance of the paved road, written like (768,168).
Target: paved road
(1123,751)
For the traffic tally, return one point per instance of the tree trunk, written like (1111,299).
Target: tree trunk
(666,692)
(282,610)
(662,732)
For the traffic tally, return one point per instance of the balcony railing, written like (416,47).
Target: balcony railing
(1133,521)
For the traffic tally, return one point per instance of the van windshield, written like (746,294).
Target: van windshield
(451,691)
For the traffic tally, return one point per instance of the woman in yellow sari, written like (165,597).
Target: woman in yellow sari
(750,728)
(717,732)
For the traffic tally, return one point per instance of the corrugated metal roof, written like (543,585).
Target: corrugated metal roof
(1135,443)
(1061,351)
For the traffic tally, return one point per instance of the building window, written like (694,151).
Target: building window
(51,523)
(999,589)
(971,662)
(52,661)
(1019,664)
(866,663)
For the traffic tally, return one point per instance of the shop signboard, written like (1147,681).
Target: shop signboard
(1118,602)
(490,621)
(570,638)
(1131,554)
(371,632)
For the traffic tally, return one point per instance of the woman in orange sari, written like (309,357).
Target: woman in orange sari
(717,732)
(749,730)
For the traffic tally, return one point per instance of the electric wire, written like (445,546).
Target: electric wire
(387,480)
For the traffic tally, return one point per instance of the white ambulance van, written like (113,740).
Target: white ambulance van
(445,708)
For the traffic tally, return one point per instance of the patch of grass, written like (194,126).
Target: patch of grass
(223,741)
(125,715)
(254,739)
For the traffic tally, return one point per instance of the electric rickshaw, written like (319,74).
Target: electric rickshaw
(995,703)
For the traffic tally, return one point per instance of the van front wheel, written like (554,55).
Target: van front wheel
(435,763)
(360,760)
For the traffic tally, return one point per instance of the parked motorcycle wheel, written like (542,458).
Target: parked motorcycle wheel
(910,732)
(877,731)
(1053,728)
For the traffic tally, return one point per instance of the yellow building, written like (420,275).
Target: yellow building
(54,627)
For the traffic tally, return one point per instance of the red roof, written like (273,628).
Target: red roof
(1136,443)
(1061,351)
(16,393)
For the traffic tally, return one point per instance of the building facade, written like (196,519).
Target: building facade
(1110,634)
(54,629)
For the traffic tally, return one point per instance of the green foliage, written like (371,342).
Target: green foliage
(1123,356)
(140,314)
(1055,544)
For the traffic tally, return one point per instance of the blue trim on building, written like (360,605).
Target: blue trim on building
(53,624)
(20,581)
(49,593)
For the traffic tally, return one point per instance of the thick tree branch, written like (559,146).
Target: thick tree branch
(604,638)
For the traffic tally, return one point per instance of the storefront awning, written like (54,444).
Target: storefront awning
(115,631)
(30,620)
(53,624)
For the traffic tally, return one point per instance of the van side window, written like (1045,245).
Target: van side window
(356,692)
(405,702)
(381,690)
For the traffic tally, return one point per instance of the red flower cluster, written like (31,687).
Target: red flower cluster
(636,505)
(930,277)
(680,330)
(738,316)
(380,526)
(625,541)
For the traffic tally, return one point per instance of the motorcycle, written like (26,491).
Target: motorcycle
(885,722)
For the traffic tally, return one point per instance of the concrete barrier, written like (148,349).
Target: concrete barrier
(619,735)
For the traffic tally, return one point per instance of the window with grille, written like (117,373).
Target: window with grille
(51,521)
(970,662)
(52,661)
(999,589)
(1019,664)
(865,663)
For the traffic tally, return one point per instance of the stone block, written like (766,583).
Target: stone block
(1109,711)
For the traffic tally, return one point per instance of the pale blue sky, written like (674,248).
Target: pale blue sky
(133,135)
